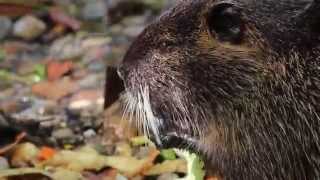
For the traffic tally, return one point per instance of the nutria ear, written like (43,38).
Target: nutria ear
(310,16)
(113,87)
(225,23)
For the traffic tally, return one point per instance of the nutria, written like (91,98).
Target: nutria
(236,80)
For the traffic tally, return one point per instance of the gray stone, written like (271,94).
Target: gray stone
(94,10)
(133,31)
(29,27)
(64,133)
(5,26)
(90,81)
(50,124)
(89,133)
(134,25)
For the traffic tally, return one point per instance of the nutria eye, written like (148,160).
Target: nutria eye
(225,23)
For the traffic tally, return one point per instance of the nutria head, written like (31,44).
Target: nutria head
(236,80)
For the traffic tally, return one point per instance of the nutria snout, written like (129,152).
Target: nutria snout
(237,81)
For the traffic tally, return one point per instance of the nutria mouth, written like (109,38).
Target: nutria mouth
(175,140)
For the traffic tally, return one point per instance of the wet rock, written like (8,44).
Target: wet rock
(29,27)
(97,54)
(94,10)
(66,48)
(97,66)
(5,26)
(87,100)
(91,81)
(4,164)
(70,46)
(133,31)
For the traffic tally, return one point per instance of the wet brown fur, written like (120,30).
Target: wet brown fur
(251,108)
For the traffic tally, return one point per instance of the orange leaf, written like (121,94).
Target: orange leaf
(56,70)
(46,153)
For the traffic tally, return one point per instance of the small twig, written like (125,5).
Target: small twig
(18,139)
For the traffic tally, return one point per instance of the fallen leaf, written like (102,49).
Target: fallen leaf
(131,166)
(46,153)
(55,70)
(24,155)
(87,158)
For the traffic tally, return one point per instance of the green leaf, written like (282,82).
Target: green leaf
(168,154)
(39,72)
(195,165)
(140,140)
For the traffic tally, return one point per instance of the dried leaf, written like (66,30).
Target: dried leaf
(46,153)
(169,166)
(55,70)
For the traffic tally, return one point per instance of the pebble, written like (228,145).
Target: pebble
(86,100)
(91,81)
(89,133)
(94,10)
(72,46)
(29,27)
(134,25)
(66,47)
(5,26)
(64,133)
(4,164)
(50,124)
(133,31)
(96,66)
